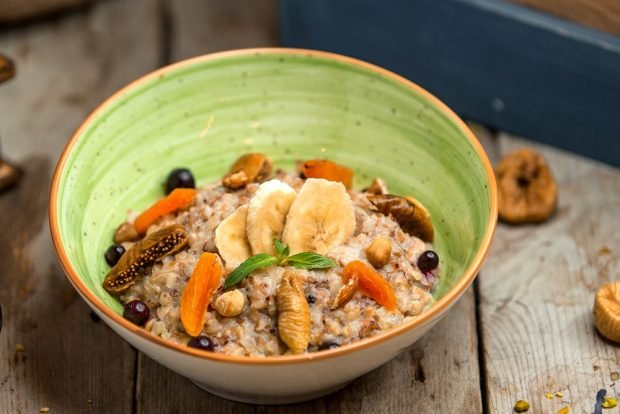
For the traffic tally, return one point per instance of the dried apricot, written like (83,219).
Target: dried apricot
(328,170)
(178,199)
(196,296)
(371,283)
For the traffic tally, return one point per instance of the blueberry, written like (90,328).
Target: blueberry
(136,312)
(328,345)
(428,261)
(179,178)
(201,342)
(113,254)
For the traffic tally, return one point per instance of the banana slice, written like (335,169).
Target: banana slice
(321,217)
(231,240)
(267,213)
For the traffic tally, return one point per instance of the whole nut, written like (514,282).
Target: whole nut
(126,233)
(230,304)
(378,253)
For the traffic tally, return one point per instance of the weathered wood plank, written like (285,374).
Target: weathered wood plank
(439,374)
(64,68)
(199,27)
(537,289)
(602,14)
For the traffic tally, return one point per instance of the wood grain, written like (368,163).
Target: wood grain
(65,67)
(205,26)
(537,289)
(600,14)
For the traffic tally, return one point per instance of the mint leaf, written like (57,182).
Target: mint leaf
(255,262)
(281,250)
(309,261)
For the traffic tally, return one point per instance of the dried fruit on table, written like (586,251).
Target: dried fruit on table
(178,199)
(378,252)
(527,190)
(377,186)
(371,283)
(346,293)
(196,296)
(293,313)
(328,170)
(563,410)
(137,261)
(410,214)
(607,311)
(253,167)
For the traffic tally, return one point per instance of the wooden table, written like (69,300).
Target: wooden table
(524,330)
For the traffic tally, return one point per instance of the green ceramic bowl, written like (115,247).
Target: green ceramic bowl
(290,104)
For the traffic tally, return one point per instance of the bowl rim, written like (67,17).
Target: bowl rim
(442,305)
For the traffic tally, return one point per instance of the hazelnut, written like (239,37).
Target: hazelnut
(230,304)
(378,253)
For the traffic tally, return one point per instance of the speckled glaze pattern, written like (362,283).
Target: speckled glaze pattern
(289,106)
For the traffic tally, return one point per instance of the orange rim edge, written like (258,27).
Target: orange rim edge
(441,305)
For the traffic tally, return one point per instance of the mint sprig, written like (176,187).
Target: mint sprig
(303,260)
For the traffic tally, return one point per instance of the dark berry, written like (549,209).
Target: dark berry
(328,345)
(311,299)
(201,342)
(113,254)
(136,312)
(428,261)
(179,178)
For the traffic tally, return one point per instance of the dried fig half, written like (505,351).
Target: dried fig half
(138,260)
(253,167)
(410,214)
(527,190)
(607,311)
(293,313)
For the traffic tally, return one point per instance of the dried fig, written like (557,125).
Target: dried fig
(253,167)
(527,190)
(293,313)
(607,311)
(410,214)
(138,260)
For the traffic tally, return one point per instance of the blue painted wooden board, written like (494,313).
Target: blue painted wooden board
(508,67)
